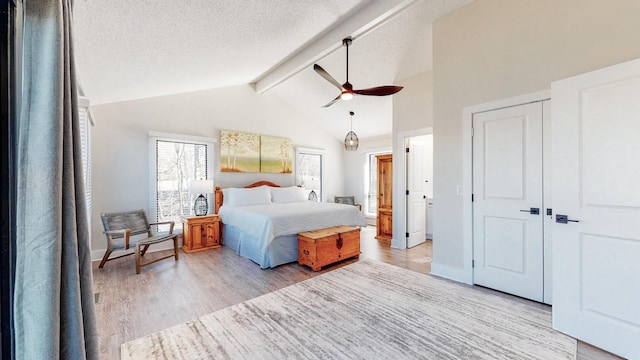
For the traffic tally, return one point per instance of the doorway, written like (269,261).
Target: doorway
(402,212)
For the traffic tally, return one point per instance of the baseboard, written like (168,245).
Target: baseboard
(450,272)
(96,255)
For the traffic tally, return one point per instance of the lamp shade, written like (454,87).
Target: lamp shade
(351,140)
(201,187)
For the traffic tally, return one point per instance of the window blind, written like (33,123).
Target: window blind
(85,140)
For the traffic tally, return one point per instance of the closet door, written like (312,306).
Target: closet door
(507,209)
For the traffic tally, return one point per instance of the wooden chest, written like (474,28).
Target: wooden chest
(322,247)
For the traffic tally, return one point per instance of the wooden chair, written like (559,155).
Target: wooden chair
(119,227)
(349,200)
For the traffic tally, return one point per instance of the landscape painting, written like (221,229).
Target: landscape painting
(239,152)
(276,155)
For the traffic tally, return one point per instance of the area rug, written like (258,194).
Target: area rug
(366,310)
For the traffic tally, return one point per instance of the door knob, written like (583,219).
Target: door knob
(532,211)
(564,219)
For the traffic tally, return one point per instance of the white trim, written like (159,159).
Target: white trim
(83,101)
(378,150)
(170,136)
(466,273)
(310,150)
(86,103)
(547,202)
(399,241)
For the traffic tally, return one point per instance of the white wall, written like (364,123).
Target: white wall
(413,105)
(412,116)
(120,142)
(495,49)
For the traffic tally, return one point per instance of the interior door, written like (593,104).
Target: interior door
(596,249)
(507,194)
(416,209)
(384,221)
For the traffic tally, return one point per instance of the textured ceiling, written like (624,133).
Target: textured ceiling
(136,49)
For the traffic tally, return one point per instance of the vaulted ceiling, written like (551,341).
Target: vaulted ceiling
(129,50)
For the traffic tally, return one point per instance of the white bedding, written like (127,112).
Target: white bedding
(266,222)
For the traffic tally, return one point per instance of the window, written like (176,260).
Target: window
(309,171)
(176,161)
(371,206)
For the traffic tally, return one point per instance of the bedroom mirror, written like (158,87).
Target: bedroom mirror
(309,171)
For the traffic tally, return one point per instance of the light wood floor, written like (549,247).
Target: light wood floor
(168,293)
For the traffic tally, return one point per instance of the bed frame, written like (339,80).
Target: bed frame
(218,193)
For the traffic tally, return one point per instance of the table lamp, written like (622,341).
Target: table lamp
(201,205)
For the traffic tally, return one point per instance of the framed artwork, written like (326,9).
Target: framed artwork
(239,151)
(276,155)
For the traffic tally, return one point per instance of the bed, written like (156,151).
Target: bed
(261,221)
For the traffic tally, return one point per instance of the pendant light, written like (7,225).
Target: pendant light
(351,140)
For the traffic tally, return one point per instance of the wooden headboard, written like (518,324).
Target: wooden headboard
(218,193)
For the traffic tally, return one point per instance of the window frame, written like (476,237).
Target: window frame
(155,136)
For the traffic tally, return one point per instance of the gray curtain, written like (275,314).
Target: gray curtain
(53,308)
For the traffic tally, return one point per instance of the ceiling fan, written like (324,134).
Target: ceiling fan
(346,90)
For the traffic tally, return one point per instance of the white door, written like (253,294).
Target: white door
(595,165)
(416,208)
(507,190)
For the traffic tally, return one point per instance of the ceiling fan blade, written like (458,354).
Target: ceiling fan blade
(379,91)
(326,76)
(333,101)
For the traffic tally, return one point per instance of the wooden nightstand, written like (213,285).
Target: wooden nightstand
(200,232)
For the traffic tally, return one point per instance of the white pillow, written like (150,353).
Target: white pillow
(242,197)
(288,194)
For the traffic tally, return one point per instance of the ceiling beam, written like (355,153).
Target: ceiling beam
(365,20)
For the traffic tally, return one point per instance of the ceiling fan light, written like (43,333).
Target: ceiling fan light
(346,96)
